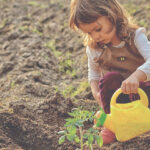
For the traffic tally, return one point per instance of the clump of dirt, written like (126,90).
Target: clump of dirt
(41,64)
(35,127)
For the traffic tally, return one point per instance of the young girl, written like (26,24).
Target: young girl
(118,52)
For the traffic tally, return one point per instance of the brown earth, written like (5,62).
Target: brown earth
(41,63)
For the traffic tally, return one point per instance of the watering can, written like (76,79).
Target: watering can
(127,120)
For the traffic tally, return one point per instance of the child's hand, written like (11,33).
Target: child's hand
(130,85)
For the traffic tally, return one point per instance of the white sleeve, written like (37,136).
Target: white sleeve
(93,67)
(143,45)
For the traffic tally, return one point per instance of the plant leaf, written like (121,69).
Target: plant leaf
(85,136)
(72,130)
(62,132)
(72,114)
(77,140)
(90,139)
(70,137)
(61,139)
(99,140)
(79,123)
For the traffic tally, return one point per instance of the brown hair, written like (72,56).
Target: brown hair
(88,11)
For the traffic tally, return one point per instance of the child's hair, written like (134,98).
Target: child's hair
(88,11)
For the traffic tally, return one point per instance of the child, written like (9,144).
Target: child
(118,52)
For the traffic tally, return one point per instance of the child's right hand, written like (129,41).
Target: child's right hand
(131,84)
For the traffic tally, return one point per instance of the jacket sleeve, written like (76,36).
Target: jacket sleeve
(93,67)
(143,45)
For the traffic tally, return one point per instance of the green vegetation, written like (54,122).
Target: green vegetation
(12,84)
(131,8)
(51,44)
(65,65)
(148,6)
(72,91)
(3,23)
(142,23)
(65,61)
(81,88)
(37,31)
(32,29)
(34,3)
(68,91)
(24,28)
(76,123)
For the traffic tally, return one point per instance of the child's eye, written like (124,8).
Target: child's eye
(98,30)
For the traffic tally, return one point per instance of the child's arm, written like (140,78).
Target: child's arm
(142,73)
(95,90)
(131,84)
(93,73)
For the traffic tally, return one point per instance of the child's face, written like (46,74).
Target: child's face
(101,31)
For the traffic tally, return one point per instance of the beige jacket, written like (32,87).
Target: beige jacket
(124,60)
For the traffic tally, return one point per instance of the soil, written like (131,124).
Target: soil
(35,41)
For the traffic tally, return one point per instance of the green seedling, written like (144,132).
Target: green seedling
(143,23)
(81,88)
(12,84)
(3,23)
(52,45)
(76,123)
(37,31)
(24,28)
(33,3)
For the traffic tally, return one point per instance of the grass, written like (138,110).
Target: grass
(65,60)
(37,31)
(131,8)
(72,91)
(147,6)
(24,28)
(3,23)
(81,88)
(143,23)
(12,84)
(32,29)
(52,46)
(36,4)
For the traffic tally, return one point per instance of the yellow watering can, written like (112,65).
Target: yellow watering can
(126,120)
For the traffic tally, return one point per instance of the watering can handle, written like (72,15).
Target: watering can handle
(143,97)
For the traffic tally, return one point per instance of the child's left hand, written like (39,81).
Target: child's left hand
(130,85)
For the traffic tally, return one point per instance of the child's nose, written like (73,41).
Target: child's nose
(96,38)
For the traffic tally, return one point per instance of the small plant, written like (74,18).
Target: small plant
(12,84)
(3,23)
(37,31)
(24,28)
(67,92)
(75,124)
(52,45)
(81,88)
(65,65)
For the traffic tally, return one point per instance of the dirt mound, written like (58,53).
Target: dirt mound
(43,74)
(34,127)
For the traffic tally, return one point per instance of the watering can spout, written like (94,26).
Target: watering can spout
(109,123)
(105,120)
